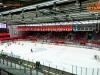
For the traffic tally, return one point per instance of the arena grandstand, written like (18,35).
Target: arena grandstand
(50,37)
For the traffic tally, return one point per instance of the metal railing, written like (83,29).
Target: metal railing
(30,67)
(4,72)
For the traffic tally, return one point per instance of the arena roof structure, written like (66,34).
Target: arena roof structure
(47,11)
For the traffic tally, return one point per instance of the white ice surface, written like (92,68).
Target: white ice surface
(60,57)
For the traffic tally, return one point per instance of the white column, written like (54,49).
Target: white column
(12,30)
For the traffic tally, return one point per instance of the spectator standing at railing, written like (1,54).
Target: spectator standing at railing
(37,64)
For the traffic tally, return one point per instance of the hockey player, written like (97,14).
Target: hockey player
(31,50)
(11,52)
(22,44)
(1,50)
(19,43)
(5,46)
(35,44)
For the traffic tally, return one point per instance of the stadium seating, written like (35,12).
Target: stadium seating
(79,36)
(4,34)
(62,37)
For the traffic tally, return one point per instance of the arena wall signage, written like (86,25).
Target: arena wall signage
(3,25)
(94,7)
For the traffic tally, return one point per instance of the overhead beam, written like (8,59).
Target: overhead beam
(36,11)
(10,15)
(22,13)
(34,6)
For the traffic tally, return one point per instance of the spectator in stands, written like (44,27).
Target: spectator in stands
(6,56)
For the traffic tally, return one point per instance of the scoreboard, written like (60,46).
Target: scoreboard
(3,25)
(83,28)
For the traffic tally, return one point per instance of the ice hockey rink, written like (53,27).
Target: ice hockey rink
(70,59)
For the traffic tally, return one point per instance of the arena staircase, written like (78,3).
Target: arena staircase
(48,36)
(69,36)
(37,35)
